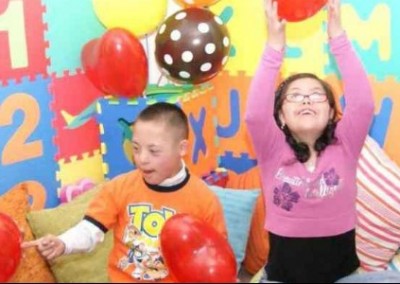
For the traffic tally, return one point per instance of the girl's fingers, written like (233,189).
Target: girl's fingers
(268,5)
(334,5)
(331,5)
(275,8)
(271,9)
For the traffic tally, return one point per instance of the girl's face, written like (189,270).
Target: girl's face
(157,150)
(305,109)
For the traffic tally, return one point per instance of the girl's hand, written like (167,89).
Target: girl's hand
(334,19)
(276,27)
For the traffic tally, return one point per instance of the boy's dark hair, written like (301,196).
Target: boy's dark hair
(168,113)
(300,149)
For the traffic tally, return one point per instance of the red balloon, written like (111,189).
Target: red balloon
(298,10)
(10,247)
(196,3)
(195,252)
(116,63)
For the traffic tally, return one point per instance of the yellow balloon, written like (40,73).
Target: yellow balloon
(140,17)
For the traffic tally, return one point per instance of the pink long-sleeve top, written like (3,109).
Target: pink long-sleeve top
(302,203)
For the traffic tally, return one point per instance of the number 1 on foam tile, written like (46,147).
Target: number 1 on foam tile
(13,22)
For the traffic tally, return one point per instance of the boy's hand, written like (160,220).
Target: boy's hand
(49,246)
(276,26)
(334,19)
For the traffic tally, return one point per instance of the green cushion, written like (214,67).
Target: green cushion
(88,267)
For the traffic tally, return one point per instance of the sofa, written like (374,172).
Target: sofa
(91,267)
(377,232)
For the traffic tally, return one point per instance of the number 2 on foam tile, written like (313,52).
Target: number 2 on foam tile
(12,21)
(17,148)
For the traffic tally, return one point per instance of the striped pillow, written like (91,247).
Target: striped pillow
(378,208)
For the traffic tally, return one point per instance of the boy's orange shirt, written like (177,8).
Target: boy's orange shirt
(137,214)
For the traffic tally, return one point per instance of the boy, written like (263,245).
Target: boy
(137,204)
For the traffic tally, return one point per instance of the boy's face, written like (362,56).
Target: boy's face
(157,150)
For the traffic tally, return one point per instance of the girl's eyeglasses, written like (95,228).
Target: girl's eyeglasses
(299,98)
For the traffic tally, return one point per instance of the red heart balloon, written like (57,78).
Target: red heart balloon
(196,3)
(116,63)
(195,252)
(298,10)
(10,248)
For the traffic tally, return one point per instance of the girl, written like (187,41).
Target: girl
(308,158)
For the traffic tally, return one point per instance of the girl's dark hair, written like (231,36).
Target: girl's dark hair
(301,149)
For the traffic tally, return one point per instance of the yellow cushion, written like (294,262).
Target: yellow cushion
(88,267)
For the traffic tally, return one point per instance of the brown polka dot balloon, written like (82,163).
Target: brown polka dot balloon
(192,46)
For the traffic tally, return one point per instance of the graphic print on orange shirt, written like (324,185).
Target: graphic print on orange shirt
(143,258)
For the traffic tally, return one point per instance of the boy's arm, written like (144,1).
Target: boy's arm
(84,237)
(81,238)
(103,209)
(100,215)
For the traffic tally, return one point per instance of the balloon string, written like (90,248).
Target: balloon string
(147,44)
(159,80)
(148,54)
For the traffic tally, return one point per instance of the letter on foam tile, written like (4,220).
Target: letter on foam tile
(376,28)
(197,126)
(233,127)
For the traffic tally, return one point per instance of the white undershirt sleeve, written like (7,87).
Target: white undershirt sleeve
(83,237)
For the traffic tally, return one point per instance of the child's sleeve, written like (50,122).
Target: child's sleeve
(358,114)
(103,209)
(81,238)
(215,216)
(259,115)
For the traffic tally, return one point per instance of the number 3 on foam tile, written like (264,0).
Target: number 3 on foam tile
(12,21)
(37,193)
(17,149)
